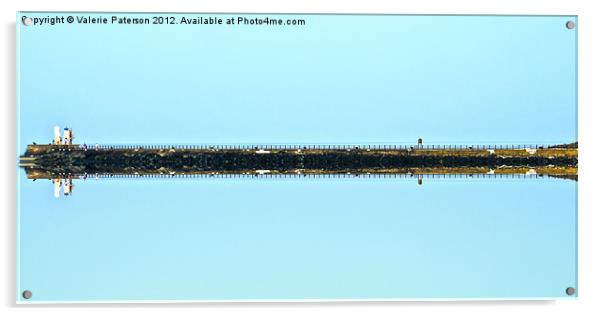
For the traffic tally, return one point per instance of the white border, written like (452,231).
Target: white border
(22,301)
(590,206)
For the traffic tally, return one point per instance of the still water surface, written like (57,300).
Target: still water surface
(239,239)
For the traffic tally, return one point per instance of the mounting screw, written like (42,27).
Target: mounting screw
(570,291)
(27,21)
(570,25)
(27,294)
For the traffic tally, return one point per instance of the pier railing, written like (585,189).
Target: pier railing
(312,147)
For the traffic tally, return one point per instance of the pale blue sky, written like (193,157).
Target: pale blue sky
(339,79)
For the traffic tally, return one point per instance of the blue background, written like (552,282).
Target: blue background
(338,79)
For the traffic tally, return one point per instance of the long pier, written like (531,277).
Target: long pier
(52,161)
(64,163)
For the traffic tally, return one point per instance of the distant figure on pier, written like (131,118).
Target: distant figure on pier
(419,142)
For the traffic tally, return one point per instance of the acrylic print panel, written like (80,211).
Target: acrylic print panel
(231,157)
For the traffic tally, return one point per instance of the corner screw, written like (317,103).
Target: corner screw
(27,21)
(570,291)
(27,295)
(570,25)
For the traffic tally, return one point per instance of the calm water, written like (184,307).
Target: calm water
(223,239)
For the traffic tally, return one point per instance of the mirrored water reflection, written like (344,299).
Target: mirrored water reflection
(239,239)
